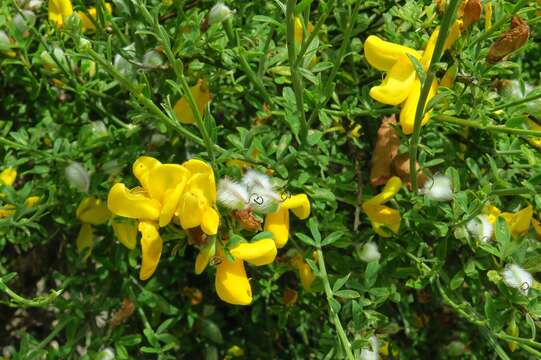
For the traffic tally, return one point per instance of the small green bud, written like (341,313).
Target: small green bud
(219,13)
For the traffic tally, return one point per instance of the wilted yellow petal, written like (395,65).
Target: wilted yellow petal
(93,211)
(261,252)
(454,34)
(151,248)
(278,224)
(383,55)
(58,11)
(8,176)
(201,95)
(299,205)
(132,203)
(210,221)
(126,232)
(84,239)
(397,85)
(141,169)
(232,285)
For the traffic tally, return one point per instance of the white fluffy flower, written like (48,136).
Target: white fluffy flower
(371,354)
(481,228)
(516,277)
(232,194)
(219,13)
(253,179)
(263,200)
(78,176)
(439,188)
(369,252)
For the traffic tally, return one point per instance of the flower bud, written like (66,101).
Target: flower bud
(219,13)
(34,4)
(439,188)
(77,176)
(369,252)
(511,40)
(23,21)
(99,128)
(84,44)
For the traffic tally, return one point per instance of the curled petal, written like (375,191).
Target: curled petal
(383,54)
(299,205)
(201,95)
(429,48)
(261,252)
(397,85)
(210,221)
(8,176)
(141,169)
(126,232)
(151,248)
(132,203)
(84,239)
(454,34)
(93,211)
(389,191)
(407,114)
(170,204)
(232,285)
(278,224)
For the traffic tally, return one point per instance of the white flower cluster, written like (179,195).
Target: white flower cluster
(481,228)
(254,191)
(516,277)
(439,188)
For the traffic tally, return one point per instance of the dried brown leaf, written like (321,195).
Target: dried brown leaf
(471,12)
(509,41)
(385,150)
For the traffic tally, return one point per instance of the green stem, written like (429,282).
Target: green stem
(315,31)
(329,294)
(296,78)
(517,102)
(419,112)
(493,128)
(57,329)
(19,301)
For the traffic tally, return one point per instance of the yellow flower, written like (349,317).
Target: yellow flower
(167,190)
(278,222)
(401,84)
(518,222)
(232,284)
(201,95)
(59,10)
(306,274)
(196,205)
(381,215)
(87,22)
(8,176)
(91,211)
(126,232)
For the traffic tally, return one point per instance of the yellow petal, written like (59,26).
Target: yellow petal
(87,23)
(166,177)
(390,189)
(132,203)
(151,248)
(261,252)
(537,227)
(93,211)
(278,224)
(126,232)
(306,274)
(59,10)
(8,176)
(449,77)
(397,85)
(492,213)
(171,201)
(407,114)
(7,210)
(209,185)
(299,32)
(519,222)
(141,169)
(32,201)
(232,285)
(381,215)
(210,221)
(382,54)
(429,48)
(84,239)
(454,34)
(203,258)
(299,205)
(190,210)
(201,95)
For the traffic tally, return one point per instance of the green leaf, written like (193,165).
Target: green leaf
(314,229)
(305,239)
(332,238)
(347,294)
(340,282)
(457,280)
(418,68)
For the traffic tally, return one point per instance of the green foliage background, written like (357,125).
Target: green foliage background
(428,297)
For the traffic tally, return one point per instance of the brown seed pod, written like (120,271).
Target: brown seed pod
(509,41)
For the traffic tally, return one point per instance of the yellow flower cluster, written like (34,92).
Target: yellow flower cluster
(518,222)
(91,211)
(402,84)
(7,178)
